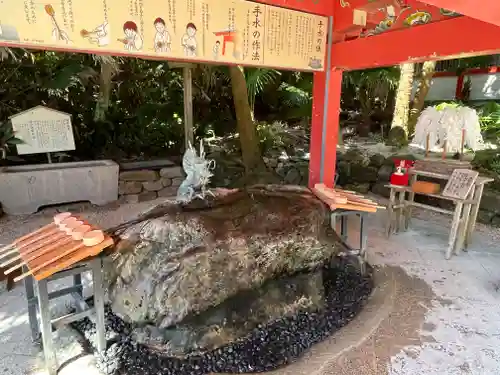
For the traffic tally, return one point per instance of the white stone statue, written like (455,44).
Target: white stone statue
(198,173)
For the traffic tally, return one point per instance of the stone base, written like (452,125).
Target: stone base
(237,316)
(147,184)
(24,189)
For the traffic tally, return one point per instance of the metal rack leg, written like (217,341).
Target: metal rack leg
(99,304)
(343,227)
(77,281)
(46,326)
(363,237)
(30,297)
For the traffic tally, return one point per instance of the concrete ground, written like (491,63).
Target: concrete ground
(427,315)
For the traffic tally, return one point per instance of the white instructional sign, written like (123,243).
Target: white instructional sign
(460,183)
(43,130)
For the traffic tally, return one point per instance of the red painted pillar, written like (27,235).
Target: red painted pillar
(315,147)
(325,127)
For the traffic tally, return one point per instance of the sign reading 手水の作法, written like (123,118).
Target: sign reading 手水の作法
(43,130)
(232,31)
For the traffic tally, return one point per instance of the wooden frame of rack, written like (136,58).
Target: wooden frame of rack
(464,214)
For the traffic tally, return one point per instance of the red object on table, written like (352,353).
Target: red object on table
(401,176)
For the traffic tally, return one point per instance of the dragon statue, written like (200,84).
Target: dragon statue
(198,173)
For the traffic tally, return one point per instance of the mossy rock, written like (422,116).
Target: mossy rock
(487,160)
(397,137)
(354,156)
(377,160)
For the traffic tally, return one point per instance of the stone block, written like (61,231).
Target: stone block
(172,172)
(385,172)
(24,189)
(140,176)
(165,181)
(153,185)
(490,201)
(360,188)
(129,187)
(496,221)
(380,189)
(485,217)
(147,196)
(177,181)
(167,192)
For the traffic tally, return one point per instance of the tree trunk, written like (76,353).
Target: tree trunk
(424,85)
(102,106)
(403,96)
(246,128)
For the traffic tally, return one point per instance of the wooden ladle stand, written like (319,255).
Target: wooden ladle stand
(54,247)
(66,247)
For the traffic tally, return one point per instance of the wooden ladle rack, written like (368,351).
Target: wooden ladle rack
(54,247)
(344,199)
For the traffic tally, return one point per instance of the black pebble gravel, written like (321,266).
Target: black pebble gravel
(265,348)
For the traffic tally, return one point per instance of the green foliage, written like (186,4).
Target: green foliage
(7,139)
(489,116)
(444,105)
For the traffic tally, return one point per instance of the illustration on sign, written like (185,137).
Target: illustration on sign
(236,31)
(133,40)
(57,32)
(99,35)
(162,41)
(189,42)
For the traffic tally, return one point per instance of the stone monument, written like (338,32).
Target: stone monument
(24,189)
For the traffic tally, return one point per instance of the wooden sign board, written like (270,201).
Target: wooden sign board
(460,183)
(43,130)
(224,32)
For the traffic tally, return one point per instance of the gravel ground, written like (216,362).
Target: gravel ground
(454,330)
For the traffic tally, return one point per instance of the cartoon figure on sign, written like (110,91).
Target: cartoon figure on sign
(188,41)
(315,63)
(216,50)
(57,33)
(133,41)
(99,36)
(162,37)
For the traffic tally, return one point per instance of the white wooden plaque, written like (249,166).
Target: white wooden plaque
(43,130)
(460,183)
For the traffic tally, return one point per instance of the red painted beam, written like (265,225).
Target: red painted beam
(484,10)
(453,38)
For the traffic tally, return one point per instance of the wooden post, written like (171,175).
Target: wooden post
(443,156)
(427,138)
(188,106)
(462,144)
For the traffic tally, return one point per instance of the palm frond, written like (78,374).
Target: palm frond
(294,96)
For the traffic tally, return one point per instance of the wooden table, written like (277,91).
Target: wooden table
(38,298)
(464,215)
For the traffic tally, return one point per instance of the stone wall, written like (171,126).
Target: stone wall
(358,171)
(147,184)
